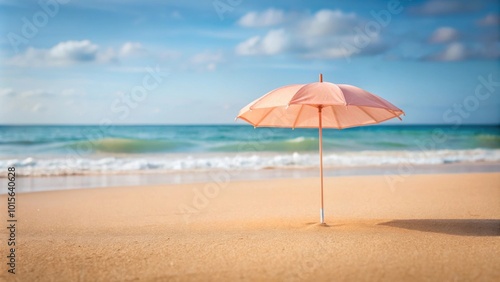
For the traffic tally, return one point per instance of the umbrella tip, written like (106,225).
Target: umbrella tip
(320,77)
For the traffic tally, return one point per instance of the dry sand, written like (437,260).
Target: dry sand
(425,227)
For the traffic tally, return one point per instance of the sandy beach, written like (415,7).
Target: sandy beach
(424,227)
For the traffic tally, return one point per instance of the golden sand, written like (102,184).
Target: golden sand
(424,227)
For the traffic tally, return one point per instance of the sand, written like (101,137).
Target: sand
(422,227)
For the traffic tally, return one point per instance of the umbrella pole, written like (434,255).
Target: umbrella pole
(322,212)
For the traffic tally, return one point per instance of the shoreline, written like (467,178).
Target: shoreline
(92,181)
(435,226)
(364,160)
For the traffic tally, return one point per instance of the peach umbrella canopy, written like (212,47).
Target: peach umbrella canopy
(318,105)
(296,106)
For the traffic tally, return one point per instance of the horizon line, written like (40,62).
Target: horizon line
(234,124)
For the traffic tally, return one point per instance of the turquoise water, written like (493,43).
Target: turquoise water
(64,150)
(54,140)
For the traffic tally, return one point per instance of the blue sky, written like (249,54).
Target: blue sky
(179,62)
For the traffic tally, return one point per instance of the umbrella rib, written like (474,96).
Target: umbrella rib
(257,124)
(336,118)
(364,111)
(297,118)
(394,113)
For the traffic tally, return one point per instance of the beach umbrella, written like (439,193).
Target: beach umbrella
(318,105)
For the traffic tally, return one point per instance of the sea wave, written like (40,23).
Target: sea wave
(125,145)
(72,165)
(299,144)
(94,141)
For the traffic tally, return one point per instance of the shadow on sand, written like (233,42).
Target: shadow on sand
(462,227)
(317,224)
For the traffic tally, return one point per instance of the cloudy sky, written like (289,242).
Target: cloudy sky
(178,62)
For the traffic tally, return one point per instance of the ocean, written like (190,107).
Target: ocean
(94,150)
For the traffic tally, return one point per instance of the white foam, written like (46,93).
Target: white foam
(32,166)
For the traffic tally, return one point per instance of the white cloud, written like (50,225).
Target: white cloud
(33,93)
(333,34)
(453,52)
(490,20)
(269,17)
(72,92)
(7,92)
(62,54)
(274,42)
(249,46)
(326,34)
(459,51)
(38,107)
(347,46)
(444,35)
(328,22)
(206,61)
(131,49)
(168,54)
(73,52)
(125,69)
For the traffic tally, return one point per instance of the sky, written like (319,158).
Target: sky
(200,62)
